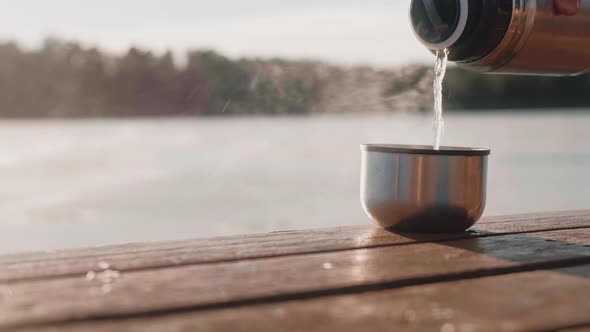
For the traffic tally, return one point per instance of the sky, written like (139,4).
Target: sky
(374,32)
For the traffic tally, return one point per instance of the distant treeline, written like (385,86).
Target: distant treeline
(64,79)
(475,91)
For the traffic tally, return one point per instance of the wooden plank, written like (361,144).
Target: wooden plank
(199,287)
(577,329)
(534,216)
(529,222)
(517,302)
(16,268)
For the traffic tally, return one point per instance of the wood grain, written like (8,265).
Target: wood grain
(567,236)
(16,268)
(577,329)
(531,301)
(202,287)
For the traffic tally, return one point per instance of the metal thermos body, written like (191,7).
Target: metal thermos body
(535,37)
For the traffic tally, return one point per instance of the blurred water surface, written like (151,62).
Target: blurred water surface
(70,183)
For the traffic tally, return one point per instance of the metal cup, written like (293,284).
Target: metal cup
(418,189)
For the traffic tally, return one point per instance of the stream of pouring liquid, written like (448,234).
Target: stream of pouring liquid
(440,69)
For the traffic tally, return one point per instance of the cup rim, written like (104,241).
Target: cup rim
(426,150)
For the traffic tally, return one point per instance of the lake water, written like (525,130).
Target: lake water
(69,183)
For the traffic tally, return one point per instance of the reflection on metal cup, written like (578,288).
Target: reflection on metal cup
(419,189)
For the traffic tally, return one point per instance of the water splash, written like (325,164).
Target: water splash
(440,69)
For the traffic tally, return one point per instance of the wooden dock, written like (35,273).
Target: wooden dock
(512,273)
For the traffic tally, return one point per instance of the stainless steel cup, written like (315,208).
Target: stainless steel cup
(419,189)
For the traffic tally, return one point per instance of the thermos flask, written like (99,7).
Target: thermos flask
(535,37)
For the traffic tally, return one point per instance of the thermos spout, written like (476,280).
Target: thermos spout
(535,37)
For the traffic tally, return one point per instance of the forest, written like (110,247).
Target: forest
(66,79)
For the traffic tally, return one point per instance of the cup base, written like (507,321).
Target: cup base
(442,220)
